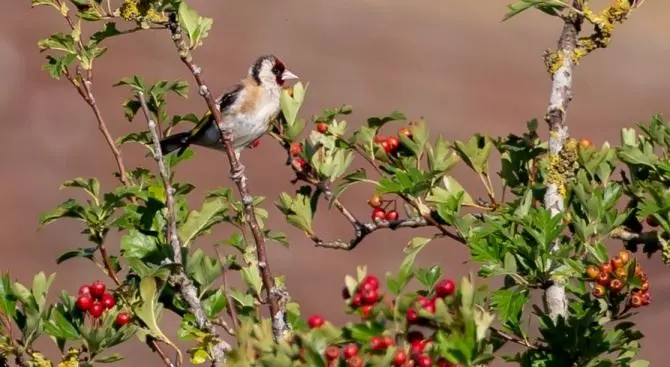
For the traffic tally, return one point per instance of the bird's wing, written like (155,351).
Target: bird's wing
(224,102)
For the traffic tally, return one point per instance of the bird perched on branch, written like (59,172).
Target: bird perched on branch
(246,109)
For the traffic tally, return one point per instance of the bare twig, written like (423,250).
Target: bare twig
(232,310)
(554,297)
(154,346)
(186,287)
(277,296)
(513,339)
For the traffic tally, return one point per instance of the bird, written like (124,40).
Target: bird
(247,109)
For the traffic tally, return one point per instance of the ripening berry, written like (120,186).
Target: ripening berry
(296,149)
(638,270)
(349,350)
(585,143)
(96,310)
(365,311)
(385,145)
(646,298)
(84,289)
(299,163)
(393,143)
(98,289)
(405,132)
(606,268)
(122,318)
(430,306)
(107,301)
(332,352)
(378,214)
(645,286)
(621,273)
(315,321)
(603,278)
(322,127)
(392,215)
(355,361)
(598,291)
(592,272)
(255,143)
(615,285)
(445,287)
(375,201)
(388,341)
(635,300)
(84,302)
(625,256)
(617,262)
(399,358)
(377,343)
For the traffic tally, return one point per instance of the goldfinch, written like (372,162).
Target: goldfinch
(247,109)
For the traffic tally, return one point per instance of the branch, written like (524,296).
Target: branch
(561,94)
(277,296)
(512,338)
(186,287)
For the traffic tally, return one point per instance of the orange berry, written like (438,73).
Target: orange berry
(625,256)
(375,201)
(592,272)
(585,143)
(635,300)
(617,262)
(598,291)
(405,131)
(621,273)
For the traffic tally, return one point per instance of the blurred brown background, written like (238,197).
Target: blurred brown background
(455,63)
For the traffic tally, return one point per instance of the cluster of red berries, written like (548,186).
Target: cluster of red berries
(612,275)
(443,288)
(379,213)
(392,143)
(93,300)
(366,295)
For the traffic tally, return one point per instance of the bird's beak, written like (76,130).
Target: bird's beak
(287,75)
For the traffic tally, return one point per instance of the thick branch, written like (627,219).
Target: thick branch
(561,94)
(276,296)
(186,287)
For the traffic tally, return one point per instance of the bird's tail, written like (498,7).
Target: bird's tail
(173,142)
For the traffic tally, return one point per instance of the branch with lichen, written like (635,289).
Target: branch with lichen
(185,286)
(277,297)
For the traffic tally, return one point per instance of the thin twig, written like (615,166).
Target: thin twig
(512,338)
(154,346)
(278,297)
(232,310)
(554,296)
(186,287)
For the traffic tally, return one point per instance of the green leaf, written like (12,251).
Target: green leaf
(80,252)
(196,26)
(252,278)
(550,7)
(298,210)
(109,31)
(475,152)
(67,209)
(135,244)
(198,223)
(509,303)
(60,327)
(58,41)
(150,309)
(640,363)
(57,65)
(290,105)
(214,304)
(7,297)
(377,122)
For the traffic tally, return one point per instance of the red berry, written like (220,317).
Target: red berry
(430,306)
(615,285)
(603,278)
(423,300)
(393,142)
(357,300)
(315,321)
(370,296)
(636,300)
(399,358)
(606,268)
(84,302)
(377,343)
(445,287)
(107,301)
(366,310)
(299,163)
(392,215)
(84,289)
(332,352)
(349,350)
(96,310)
(646,298)
(412,315)
(322,127)
(388,341)
(378,214)
(423,360)
(385,145)
(372,281)
(444,363)
(98,289)
(255,143)
(295,149)
(122,318)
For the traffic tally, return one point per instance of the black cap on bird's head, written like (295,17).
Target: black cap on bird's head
(270,67)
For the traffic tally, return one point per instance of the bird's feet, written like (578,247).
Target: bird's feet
(236,174)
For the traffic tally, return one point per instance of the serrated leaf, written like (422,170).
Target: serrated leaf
(509,303)
(68,209)
(195,25)
(197,223)
(136,244)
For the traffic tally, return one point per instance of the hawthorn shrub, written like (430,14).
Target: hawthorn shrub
(543,232)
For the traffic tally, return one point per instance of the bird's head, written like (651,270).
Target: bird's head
(270,70)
